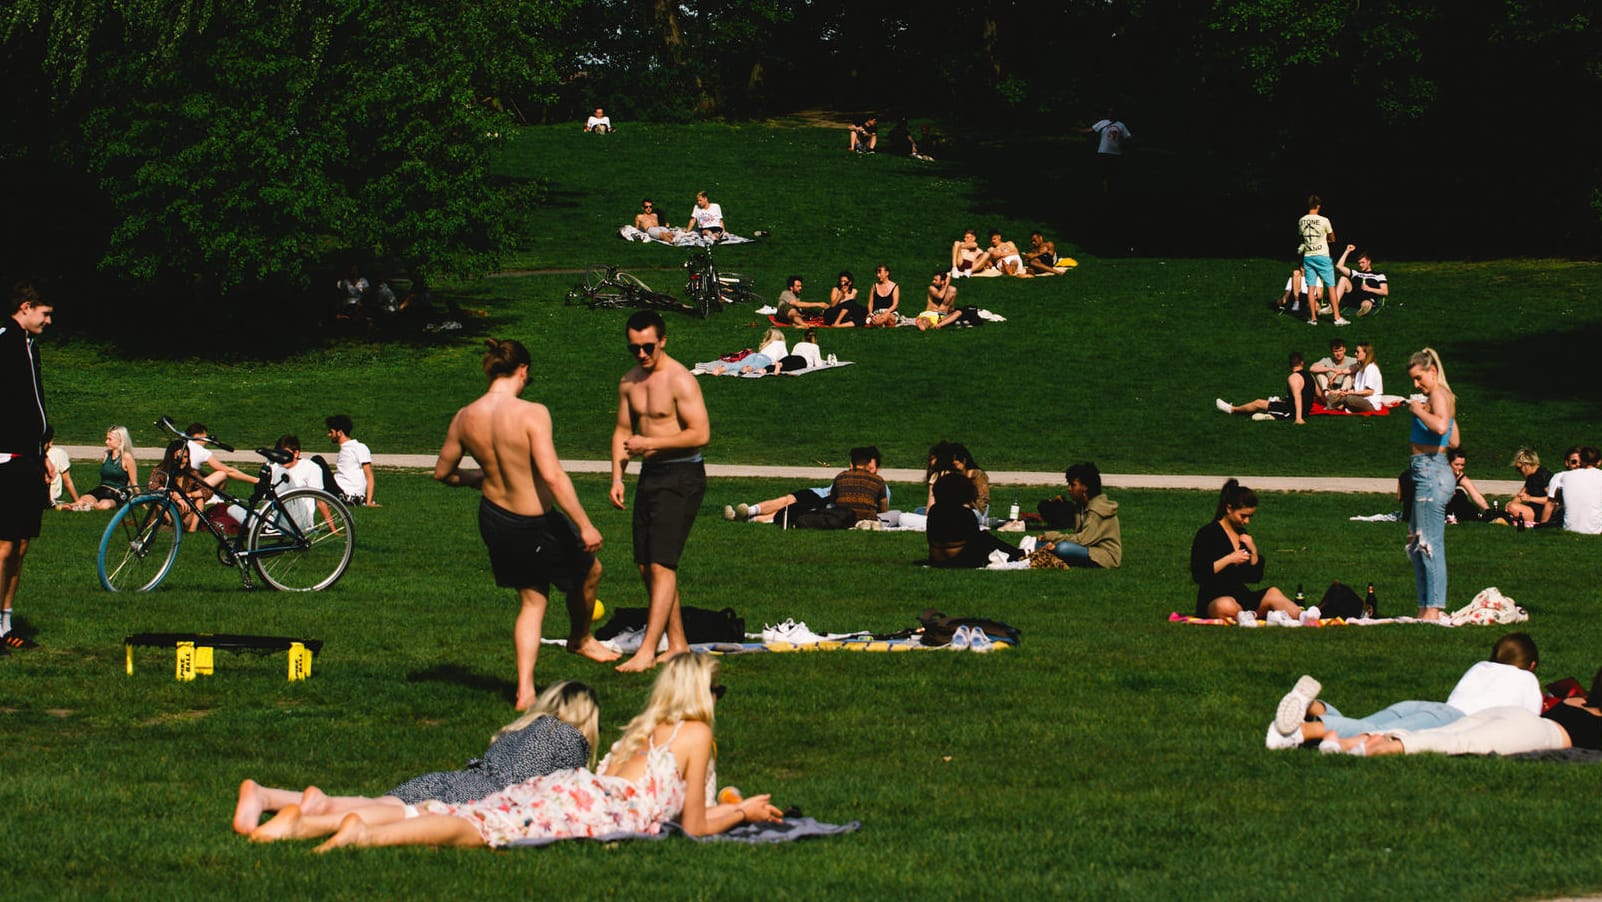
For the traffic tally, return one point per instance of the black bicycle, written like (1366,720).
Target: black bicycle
(608,287)
(297,540)
(709,289)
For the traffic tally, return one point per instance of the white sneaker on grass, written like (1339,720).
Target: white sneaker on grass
(1247,619)
(979,641)
(1223,405)
(1279,741)
(1293,706)
(1280,618)
(1262,417)
(1311,616)
(959,639)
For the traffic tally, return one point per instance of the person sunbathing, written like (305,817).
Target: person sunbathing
(559,731)
(771,351)
(1506,730)
(968,258)
(1004,256)
(1507,678)
(662,768)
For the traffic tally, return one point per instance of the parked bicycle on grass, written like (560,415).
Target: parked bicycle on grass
(298,540)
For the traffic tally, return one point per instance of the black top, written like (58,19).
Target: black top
(1583,727)
(543,747)
(1210,544)
(22,407)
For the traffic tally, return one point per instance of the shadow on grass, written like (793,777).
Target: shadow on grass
(461,676)
(1527,366)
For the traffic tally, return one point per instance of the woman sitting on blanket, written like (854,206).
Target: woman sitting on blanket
(1507,678)
(1367,385)
(883,299)
(803,355)
(1467,504)
(953,533)
(661,769)
(1506,730)
(844,312)
(560,731)
(1224,558)
(768,353)
(119,473)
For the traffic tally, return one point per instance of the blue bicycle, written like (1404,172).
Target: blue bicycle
(298,540)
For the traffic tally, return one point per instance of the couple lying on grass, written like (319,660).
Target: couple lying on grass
(1495,709)
(534,783)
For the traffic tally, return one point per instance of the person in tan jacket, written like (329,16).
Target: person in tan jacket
(1096,540)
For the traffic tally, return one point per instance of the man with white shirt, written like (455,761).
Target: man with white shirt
(1580,491)
(599,122)
(353,469)
(706,219)
(199,454)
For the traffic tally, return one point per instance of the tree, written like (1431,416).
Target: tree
(240,143)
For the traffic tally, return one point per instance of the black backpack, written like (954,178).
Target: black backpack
(700,624)
(1341,601)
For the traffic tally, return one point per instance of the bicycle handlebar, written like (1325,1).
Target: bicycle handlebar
(166,423)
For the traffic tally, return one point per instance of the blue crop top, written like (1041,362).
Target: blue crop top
(1424,435)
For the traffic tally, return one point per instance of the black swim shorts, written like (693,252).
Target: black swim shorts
(24,495)
(665,504)
(533,552)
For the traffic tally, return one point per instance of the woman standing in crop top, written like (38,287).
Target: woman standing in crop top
(1434,429)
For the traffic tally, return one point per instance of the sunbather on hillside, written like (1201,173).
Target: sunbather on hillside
(771,351)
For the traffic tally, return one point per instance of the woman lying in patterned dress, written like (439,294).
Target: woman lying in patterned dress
(645,781)
(560,731)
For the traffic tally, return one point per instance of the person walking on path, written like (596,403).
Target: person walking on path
(24,490)
(661,419)
(531,545)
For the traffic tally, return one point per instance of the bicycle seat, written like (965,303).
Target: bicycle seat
(276,455)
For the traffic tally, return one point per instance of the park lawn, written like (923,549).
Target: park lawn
(1117,362)
(1112,753)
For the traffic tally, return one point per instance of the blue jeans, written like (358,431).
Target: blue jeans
(1073,553)
(1426,541)
(1400,716)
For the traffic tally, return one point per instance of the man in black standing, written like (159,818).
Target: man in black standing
(24,491)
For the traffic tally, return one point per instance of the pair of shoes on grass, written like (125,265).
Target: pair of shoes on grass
(739,511)
(972,638)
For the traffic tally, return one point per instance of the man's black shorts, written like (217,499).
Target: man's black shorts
(665,504)
(24,494)
(533,552)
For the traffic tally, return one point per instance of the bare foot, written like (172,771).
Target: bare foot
(351,832)
(591,647)
(525,699)
(247,811)
(1430,614)
(671,653)
(642,661)
(314,801)
(283,826)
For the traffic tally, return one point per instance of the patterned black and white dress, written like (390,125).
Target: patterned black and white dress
(545,746)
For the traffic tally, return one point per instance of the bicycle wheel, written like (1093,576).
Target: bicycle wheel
(628,278)
(140,544)
(302,542)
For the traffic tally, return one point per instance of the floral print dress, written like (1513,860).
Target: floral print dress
(578,803)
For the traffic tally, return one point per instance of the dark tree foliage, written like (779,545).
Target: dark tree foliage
(229,145)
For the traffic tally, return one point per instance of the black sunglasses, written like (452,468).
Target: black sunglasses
(647,349)
(718,690)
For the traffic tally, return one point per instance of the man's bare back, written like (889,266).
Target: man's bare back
(500,433)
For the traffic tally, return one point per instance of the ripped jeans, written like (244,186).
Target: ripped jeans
(1426,539)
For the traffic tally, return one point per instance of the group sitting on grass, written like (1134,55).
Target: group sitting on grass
(662,769)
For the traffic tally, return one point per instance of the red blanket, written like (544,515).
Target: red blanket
(1321,410)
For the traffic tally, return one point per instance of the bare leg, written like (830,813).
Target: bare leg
(581,613)
(526,641)
(427,830)
(291,823)
(315,801)
(1258,406)
(12,552)
(255,798)
(661,585)
(1223,608)
(1275,600)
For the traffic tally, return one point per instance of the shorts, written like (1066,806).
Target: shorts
(24,494)
(1281,409)
(533,552)
(1319,266)
(665,504)
(932,316)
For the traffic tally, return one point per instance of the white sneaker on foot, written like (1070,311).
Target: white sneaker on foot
(1223,405)
(745,511)
(1278,741)
(1293,707)
(1343,322)
(1330,745)
(728,512)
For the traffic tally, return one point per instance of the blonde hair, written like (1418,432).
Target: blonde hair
(1526,457)
(124,440)
(683,691)
(569,701)
(1428,359)
(772,335)
(1368,348)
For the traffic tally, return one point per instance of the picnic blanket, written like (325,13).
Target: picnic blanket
(1176,617)
(734,370)
(902,321)
(685,239)
(789,830)
(1386,403)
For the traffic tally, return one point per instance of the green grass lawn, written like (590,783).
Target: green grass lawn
(1111,754)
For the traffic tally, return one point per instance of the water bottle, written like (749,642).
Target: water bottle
(1012,512)
(1370,605)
